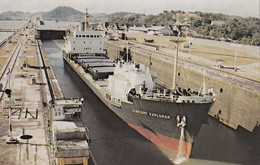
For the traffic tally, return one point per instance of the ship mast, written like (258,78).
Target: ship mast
(175,63)
(126,48)
(127,52)
(86,19)
(178,24)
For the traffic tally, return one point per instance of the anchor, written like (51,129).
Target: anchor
(181,121)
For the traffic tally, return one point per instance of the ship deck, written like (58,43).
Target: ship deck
(103,69)
(89,60)
(99,64)
(103,84)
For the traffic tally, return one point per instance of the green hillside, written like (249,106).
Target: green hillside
(230,28)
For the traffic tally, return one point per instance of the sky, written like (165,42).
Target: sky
(243,8)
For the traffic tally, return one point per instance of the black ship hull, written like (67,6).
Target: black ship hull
(155,120)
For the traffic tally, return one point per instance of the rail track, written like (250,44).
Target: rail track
(7,70)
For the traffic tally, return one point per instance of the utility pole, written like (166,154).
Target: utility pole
(160,42)
(235,65)
(140,39)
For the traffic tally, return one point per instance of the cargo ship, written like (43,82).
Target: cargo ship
(168,118)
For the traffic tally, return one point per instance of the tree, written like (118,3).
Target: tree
(206,20)
(196,23)
(235,34)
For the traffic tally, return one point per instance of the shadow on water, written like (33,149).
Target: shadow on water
(218,142)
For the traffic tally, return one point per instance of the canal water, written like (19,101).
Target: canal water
(114,142)
(9,25)
(12,25)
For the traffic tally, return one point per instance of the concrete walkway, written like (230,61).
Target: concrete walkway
(27,119)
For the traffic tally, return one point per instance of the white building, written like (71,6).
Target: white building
(160,30)
(136,29)
(218,23)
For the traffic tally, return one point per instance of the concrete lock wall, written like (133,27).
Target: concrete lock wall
(236,105)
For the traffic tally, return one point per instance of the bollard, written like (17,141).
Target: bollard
(33,80)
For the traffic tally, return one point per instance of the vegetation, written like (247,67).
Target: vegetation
(164,18)
(239,29)
(234,28)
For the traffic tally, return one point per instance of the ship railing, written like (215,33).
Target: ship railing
(179,99)
(197,99)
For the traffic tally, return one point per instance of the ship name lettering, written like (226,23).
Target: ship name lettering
(159,116)
(139,112)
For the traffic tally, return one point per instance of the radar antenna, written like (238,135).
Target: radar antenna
(86,19)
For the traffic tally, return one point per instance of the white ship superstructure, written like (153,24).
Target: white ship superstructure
(129,76)
(85,42)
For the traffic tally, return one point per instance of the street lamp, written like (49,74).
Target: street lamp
(9,102)
(235,65)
